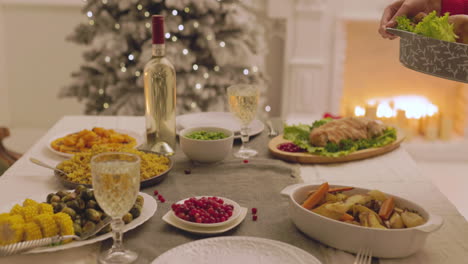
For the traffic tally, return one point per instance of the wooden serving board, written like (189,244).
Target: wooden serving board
(301,157)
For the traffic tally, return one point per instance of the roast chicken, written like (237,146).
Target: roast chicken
(345,128)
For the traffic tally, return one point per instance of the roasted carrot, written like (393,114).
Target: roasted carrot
(387,208)
(335,190)
(346,217)
(316,197)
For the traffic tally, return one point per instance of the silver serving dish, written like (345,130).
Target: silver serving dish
(443,59)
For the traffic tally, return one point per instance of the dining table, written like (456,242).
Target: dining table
(394,172)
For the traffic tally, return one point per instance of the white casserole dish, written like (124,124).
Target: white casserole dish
(384,243)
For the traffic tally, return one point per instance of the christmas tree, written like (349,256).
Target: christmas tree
(212,44)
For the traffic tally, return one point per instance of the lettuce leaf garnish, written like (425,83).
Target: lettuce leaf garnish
(299,135)
(431,26)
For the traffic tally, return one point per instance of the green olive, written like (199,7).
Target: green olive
(88,226)
(70,212)
(73,205)
(79,189)
(93,215)
(55,198)
(62,193)
(91,204)
(77,229)
(69,197)
(135,211)
(140,200)
(59,207)
(87,194)
(127,218)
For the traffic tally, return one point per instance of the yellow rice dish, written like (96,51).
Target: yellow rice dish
(78,168)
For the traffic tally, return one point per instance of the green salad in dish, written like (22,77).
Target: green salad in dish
(431,25)
(205,135)
(339,137)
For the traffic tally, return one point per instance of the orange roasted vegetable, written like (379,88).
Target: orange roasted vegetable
(316,197)
(346,217)
(387,208)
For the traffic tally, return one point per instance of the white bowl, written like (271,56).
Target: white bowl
(206,151)
(235,213)
(384,243)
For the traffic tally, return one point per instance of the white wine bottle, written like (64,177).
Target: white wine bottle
(160,95)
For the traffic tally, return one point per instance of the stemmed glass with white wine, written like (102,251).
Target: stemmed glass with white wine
(243,103)
(116,182)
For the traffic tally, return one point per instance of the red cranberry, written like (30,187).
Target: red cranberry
(254,217)
(155,192)
(254,210)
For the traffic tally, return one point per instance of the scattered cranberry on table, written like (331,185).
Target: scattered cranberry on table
(246,161)
(254,217)
(254,210)
(155,192)
(290,147)
(205,210)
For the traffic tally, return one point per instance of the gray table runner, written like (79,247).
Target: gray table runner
(254,184)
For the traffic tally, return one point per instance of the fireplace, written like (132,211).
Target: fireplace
(336,62)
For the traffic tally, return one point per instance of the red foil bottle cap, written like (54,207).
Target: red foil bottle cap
(158,29)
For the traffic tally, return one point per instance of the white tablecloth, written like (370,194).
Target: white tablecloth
(394,173)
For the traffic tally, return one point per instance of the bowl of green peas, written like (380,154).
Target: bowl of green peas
(206,144)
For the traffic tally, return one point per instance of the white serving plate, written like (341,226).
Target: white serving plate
(136,136)
(149,208)
(234,250)
(174,221)
(217,119)
(235,213)
(384,243)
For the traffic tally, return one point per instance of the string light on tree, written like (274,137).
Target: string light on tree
(167,35)
(104,2)
(209,37)
(123,69)
(246,71)
(185,51)
(193,104)
(187,10)
(195,67)
(268,108)
(196,24)
(107,59)
(174,12)
(117,26)
(89,14)
(101,91)
(222,44)
(206,75)
(174,38)
(216,68)
(198,86)
(131,57)
(105,105)
(91,22)
(139,7)
(147,14)
(180,27)
(255,69)
(137,73)
(147,25)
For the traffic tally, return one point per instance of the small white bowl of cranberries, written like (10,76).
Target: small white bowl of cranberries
(206,211)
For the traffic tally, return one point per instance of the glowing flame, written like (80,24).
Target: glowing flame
(413,106)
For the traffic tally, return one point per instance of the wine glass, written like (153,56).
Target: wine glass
(116,182)
(243,103)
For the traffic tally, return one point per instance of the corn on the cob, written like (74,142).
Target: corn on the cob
(11,229)
(32,231)
(29,212)
(65,224)
(29,202)
(16,210)
(47,224)
(45,208)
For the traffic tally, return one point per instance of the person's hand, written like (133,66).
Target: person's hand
(460,27)
(408,8)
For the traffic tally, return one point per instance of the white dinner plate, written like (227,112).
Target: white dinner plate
(218,119)
(149,208)
(234,250)
(136,136)
(171,219)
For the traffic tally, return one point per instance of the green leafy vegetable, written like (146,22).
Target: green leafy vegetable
(299,135)
(431,26)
